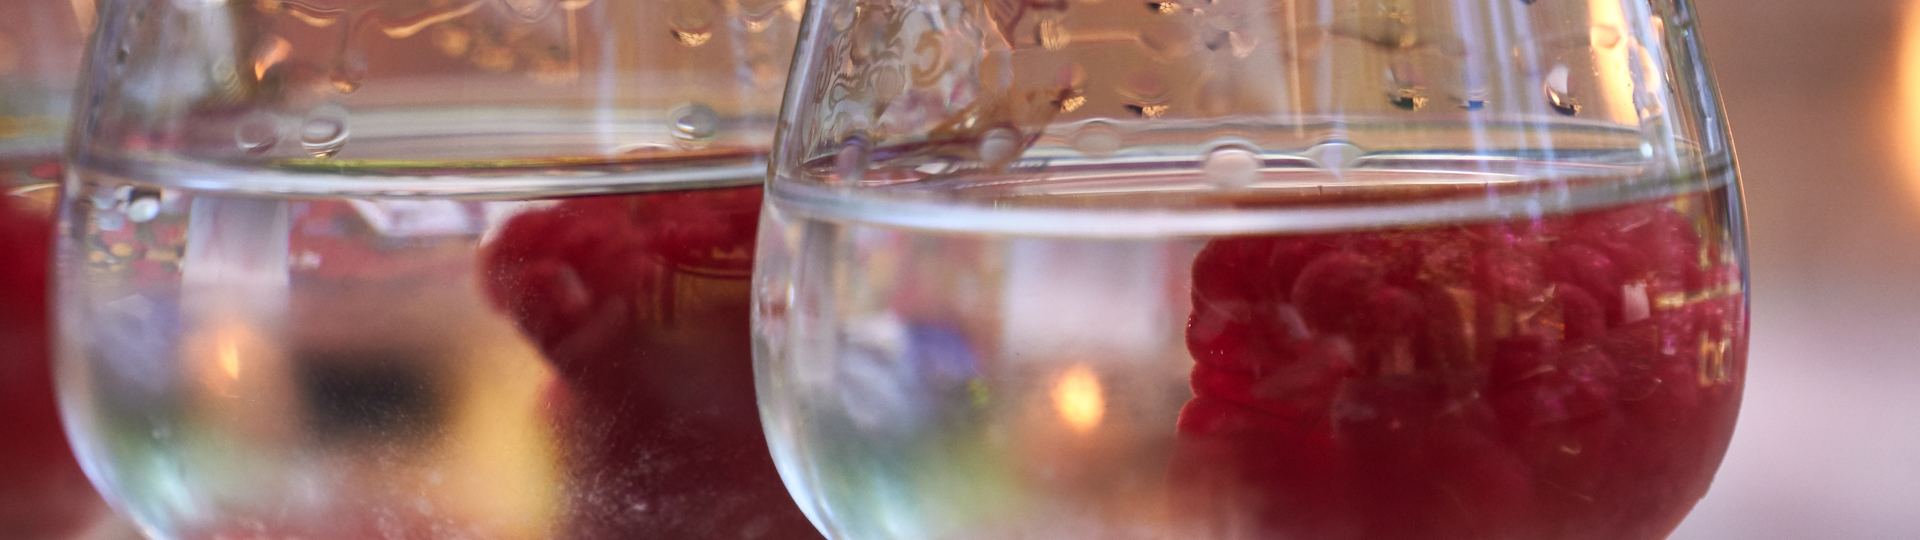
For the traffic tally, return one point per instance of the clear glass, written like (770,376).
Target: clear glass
(43,495)
(422,268)
(1250,269)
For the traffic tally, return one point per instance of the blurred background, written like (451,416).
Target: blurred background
(1824,100)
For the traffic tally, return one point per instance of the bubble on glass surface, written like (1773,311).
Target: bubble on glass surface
(999,147)
(1167,40)
(144,208)
(694,124)
(324,132)
(1232,166)
(1144,95)
(1163,8)
(257,135)
(1052,34)
(1335,155)
(1097,140)
(121,55)
(1556,86)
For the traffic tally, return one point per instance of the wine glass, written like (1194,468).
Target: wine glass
(1250,269)
(422,268)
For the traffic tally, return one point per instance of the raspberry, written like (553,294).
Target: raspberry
(640,304)
(1571,377)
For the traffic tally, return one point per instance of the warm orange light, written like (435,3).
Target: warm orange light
(1078,398)
(228,354)
(1906,129)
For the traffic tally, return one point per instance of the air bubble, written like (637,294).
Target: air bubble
(1558,95)
(1232,167)
(694,125)
(1000,147)
(324,133)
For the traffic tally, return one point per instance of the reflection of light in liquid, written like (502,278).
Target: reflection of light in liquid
(229,355)
(1077,397)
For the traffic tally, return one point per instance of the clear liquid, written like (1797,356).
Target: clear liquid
(245,355)
(1260,367)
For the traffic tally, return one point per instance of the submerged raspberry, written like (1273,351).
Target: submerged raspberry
(1571,377)
(640,303)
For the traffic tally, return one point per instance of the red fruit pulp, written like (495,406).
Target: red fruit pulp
(1571,376)
(640,303)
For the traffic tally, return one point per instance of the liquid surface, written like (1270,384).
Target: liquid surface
(1496,372)
(237,363)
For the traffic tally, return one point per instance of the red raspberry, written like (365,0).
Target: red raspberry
(1573,377)
(640,303)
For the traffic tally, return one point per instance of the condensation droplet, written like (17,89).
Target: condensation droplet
(1605,36)
(1241,44)
(1407,93)
(694,125)
(257,135)
(691,38)
(347,78)
(144,209)
(845,14)
(1232,167)
(1335,155)
(758,18)
(1097,139)
(1052,34)
(691,23)
(324,133)
(1000,147)
(1556,87)
(1145,95)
